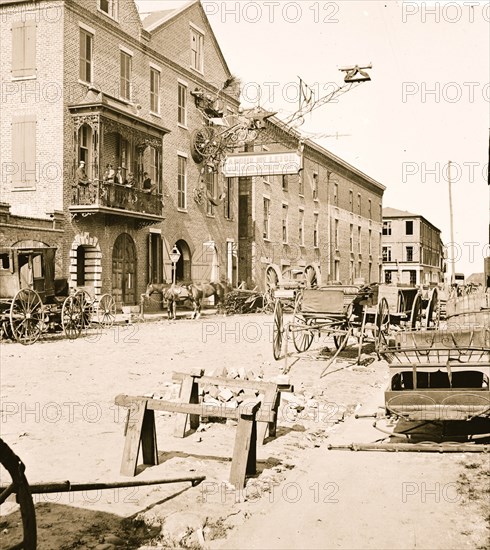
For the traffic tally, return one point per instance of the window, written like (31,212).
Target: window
(284,223)
(386,253)
(81,266)
(388,277)
(370,209)
(24,49)
(409,252)
(409,228)
(85,148)
(336,194)
(86,53)
(315,185)
(211,177)
(155,164)
(154,91)
(109,7)
(413,277)
(182,104)
(267,216)
(336,234)
(285,182)
(351,200)
(155,260)
(126,62)
(315,230)
(228,203)
(301,228)
(359,202)
(182,183)
(301,184)
(351,238)
(359,242)
(197,51)
(24,151)
(386,228)
(369,242)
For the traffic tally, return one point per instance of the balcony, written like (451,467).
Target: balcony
(118,200)
(109,136)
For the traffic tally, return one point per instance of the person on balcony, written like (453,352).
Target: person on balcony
(81,176)
(148,185)
(109,174)
(130,181)
(119,177)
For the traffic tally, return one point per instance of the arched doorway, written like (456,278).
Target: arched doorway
(124,270)
(183,266)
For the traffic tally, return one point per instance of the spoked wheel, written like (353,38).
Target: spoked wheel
(416,314)
(203,144)
(432,313)
(302,335)
(26,316)
(85,302)
(106,311)
(341,339)
(271,284)
(19,485)
(72,317)
(382,324)
(277,330)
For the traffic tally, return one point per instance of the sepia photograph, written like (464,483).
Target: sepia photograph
(244,275)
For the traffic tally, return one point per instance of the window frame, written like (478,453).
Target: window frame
(155,94)
(228,200)
(197,55)
(316,227)
(266,228)
(407,222)
(301,226)
(182,109)
(125,81)
(285,222)
(182,178)
(110,3)
(386,231)
(386,253)
(88,34)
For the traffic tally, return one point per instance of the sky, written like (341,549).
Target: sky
(428,102)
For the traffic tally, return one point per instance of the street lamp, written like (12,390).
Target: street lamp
(174,258)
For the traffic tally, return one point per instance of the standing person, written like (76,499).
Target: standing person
(148,185)
(119,177)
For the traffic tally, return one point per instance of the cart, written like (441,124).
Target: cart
(438,375)
(32,302)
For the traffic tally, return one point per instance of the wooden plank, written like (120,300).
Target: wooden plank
(133,438)
(244,452)
(189,393)
(201,409)
(269,403)
(149,439)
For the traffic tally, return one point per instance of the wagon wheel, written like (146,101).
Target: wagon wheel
(20,487)
(271,282)
(302,336)
(340,339)
(432,313)
(416,314)
(203,144)
(311,277)
(26,316)
(382,324)
(85,301)
(106,311)
(277,330)
(72,317)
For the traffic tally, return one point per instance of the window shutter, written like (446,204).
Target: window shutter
(24,150)
(18,49)
(24,48)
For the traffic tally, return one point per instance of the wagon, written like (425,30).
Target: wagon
(32,302)
(344,311)
(439,375)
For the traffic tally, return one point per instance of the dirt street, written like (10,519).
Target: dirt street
(58,415)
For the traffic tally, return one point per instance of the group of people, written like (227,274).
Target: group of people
(112,176)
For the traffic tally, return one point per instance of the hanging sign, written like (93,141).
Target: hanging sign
(262,164)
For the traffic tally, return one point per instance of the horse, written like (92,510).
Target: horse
(199,291)
(170,293)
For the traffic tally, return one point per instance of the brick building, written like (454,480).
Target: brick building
(326,220)
(88,81)
(412,249)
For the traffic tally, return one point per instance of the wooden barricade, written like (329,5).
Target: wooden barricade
(269,408)
(141,433)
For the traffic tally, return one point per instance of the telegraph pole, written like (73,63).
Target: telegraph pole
(451,221)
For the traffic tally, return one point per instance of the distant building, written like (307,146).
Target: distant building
(412,249)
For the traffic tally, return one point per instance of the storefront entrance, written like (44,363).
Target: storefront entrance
(124,270)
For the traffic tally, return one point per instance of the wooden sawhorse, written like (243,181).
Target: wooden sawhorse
(140,432)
